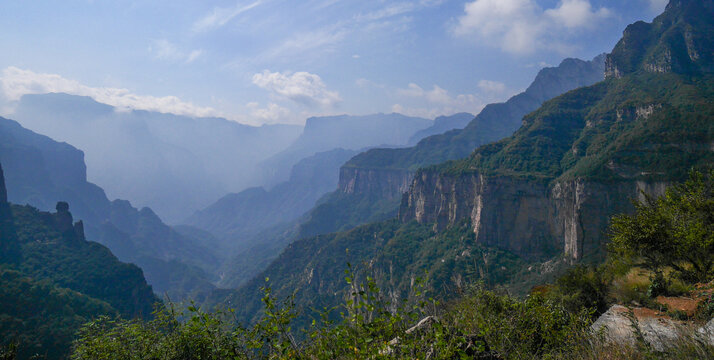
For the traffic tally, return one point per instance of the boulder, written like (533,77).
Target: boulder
(624,326)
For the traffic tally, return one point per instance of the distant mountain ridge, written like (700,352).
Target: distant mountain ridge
(370,188)
(40,171)
(242,215)
(542,198)
(372,183)
(348,132)
(441,125)
(53,280)
(174,164)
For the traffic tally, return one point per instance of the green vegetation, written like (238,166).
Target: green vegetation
(395,254)
(553,322)
(42,318)
(651,120)
(80,265)
(674,231)
(495,122)
(55,281)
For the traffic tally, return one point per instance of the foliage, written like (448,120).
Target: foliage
(675,230)
(583,288)
(482,324)
(84,266)
(38,317)
(59,281)
(392,253)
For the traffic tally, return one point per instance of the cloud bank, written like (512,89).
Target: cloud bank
(523,27)
(302,87)
(16,82)
(438,101)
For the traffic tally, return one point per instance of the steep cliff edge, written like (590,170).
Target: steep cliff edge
(583,156)
(387,173)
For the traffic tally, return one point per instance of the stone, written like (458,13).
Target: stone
(624,326)
(616,325)
(707,332)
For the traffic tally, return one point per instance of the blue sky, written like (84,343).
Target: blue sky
(280,61)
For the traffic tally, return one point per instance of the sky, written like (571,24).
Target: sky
(281,61)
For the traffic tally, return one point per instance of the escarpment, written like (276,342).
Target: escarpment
(530,218)
(586,155)
(383,183)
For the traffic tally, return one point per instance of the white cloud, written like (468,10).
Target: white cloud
(220,16)
(273,113)
(658,6)
(166,50)
(438,101)
(577,13)
(492,87)
(16,82)
(301,87)
(521,26)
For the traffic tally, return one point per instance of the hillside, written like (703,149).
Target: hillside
(372,183)
(156,160)
(538,200)
(345,131)
(236,217)
(54,280)
(40,172)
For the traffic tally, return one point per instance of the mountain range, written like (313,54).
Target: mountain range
(517,210)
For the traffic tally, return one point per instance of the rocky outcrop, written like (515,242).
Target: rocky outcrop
(382,183)
(625,326)
(528,217)
(9,250)
(3,190)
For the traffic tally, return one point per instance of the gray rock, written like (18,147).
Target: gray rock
(707,331)
(620,325)
(616,325)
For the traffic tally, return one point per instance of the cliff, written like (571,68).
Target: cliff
(583,156)
(533,219)
(326,133)
(386,173)
(382,183)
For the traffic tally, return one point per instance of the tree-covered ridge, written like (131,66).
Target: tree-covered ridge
(644,122)
(52,280)
(561,319)
(40,171)
(72,262)
(649,126)
(41,318)
(680,40)
(392,253)
(494,122)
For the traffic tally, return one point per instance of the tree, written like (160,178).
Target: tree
(675,230)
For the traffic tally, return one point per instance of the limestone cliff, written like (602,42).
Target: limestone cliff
(531,218)
(379,173)
(382,183)
(584,156)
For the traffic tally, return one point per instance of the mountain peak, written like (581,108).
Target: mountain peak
(680,40)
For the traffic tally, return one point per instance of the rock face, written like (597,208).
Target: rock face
(8,245)
(672,45)
(530,218)
(387,172)
(383,183)
(582,157)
